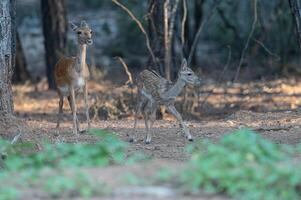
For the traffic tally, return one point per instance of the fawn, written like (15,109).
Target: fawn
(71,75)
(154,90)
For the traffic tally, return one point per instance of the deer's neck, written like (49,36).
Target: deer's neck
(176,89)
(81,57)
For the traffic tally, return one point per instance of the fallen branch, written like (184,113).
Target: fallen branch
(262,129)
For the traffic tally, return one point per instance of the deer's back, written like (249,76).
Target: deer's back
(153,83)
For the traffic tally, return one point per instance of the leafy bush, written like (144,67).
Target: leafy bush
(108,150)
(245,166)
(29,166)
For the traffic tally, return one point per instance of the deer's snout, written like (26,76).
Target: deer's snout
(89,41)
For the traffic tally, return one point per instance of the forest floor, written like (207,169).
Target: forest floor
(270,108)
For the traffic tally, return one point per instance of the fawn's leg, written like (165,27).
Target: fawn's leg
(152,116)
(174,112)
(148,138)
(149,117)
(133,137)
(61,103)
(75,125)
(139,103)
(87,104)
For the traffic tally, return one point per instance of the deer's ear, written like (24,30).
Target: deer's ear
(83,24)
(184,64)
(73,26)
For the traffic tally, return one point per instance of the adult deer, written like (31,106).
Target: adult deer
(71,75)
(154,90)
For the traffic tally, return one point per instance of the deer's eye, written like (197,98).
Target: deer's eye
(91,32)
(189,74)
(79,32)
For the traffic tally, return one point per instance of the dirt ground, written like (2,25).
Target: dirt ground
(269,107)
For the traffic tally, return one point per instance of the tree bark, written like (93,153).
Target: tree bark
(7,54)
(55,34)
(156,32)
(21,73)
(295,9)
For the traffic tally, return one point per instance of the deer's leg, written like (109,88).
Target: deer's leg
(61,103)
(87,105)
(73,107)
(149,118)
(174,112)
(148,138)
(153,116)
(133,136)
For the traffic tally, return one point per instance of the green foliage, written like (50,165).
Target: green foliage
(108,150)
(79,184)
(9,193)
(29,166)
(245,166)
(132,179)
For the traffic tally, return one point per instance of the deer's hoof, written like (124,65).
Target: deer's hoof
(83,131)
(131,140)
(189,138)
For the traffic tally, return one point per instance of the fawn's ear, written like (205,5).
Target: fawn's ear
(83,24)
(73,26)
(184,64)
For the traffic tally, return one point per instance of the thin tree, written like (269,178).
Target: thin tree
(156,32)
(21,73)
(295,9)
(55,34)
(7,55)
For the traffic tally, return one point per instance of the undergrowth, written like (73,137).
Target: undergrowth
(245,166)
(23,167)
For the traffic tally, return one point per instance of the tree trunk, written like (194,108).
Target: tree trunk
(7,54)
(55,34)
(167,42)
(21,73)
(295,9)
(156,32)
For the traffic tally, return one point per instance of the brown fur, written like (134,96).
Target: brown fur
(64,71)
(71,75)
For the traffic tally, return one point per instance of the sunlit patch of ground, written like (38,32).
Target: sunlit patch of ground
(269,107)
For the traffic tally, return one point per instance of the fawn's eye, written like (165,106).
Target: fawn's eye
(91,32)
(189,74)
(79,32)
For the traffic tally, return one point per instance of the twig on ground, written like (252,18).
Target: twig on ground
(16,138)
(242,57)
